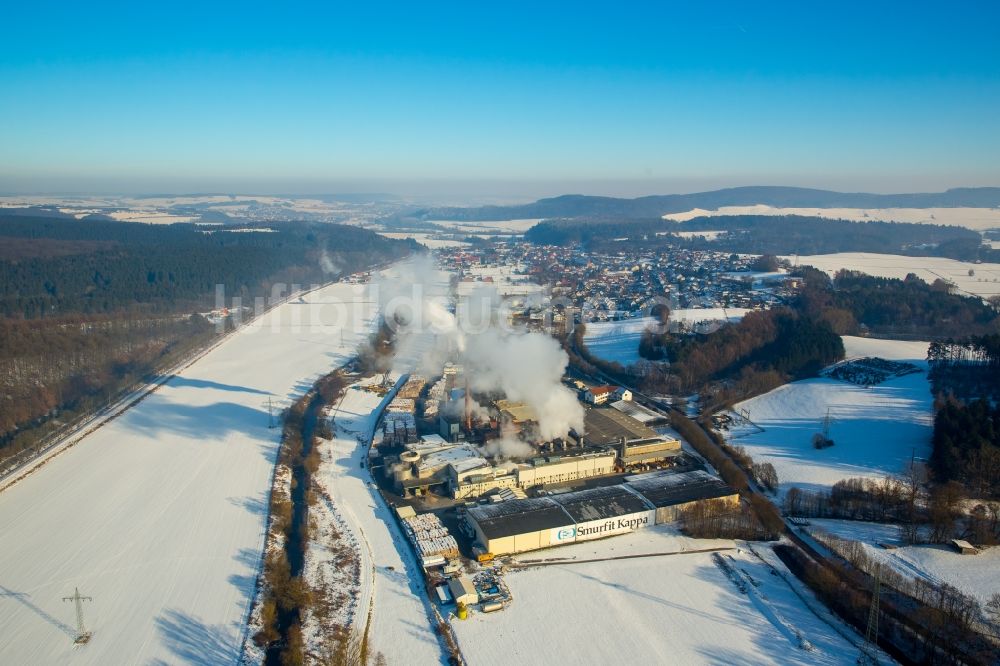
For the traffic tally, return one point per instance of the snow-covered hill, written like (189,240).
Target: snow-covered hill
(875,429)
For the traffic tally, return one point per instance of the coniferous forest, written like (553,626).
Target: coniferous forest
(88,308)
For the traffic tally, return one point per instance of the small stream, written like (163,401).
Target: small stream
(294,545)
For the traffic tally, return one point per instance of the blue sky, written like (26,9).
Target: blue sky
(517,98)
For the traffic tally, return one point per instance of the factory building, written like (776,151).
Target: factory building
(517,526)
(601,512)
(545,470)
(450,427)
(651,451)
(416,473)
(516,418)
(609,427)
(468,480)
(643,415)
(672,492)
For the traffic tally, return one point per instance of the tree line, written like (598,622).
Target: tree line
(765,234)
(854,302)
(966,445)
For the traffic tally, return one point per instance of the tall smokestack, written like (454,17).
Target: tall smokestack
(468,406)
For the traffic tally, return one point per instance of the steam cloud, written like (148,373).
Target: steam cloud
(327,264)
(524,366)
(508,447)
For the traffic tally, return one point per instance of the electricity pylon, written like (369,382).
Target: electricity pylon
(869,651)
(82,635)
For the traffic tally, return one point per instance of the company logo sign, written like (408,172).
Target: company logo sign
(565,533)
(598,528)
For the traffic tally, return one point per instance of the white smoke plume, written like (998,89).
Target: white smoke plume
(527,367)
(327,264)
(457,408)
(508,447)
(524,366)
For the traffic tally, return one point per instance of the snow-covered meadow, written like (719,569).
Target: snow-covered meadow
(973,218)
(875,429)
(427,240)
(618,341)
(160,514)
(984,280)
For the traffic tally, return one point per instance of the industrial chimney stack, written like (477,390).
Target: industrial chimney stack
(468,406)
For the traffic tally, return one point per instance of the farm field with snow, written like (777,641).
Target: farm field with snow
(973,218)
(487,227)
(975,575)
(875,429)
(424,239)
(984,282)
(159,515)
(676,609)
(618,341)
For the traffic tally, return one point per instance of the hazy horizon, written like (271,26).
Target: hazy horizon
(459,192)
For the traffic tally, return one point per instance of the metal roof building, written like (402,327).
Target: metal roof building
(670,492)
(609,426)
(601,503)
(516,526)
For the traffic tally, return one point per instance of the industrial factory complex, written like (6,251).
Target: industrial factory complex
(627,470)
(492,454)
(456,461)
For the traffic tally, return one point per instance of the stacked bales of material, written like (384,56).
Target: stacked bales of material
(429,536)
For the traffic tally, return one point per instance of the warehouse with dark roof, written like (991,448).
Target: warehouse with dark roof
(516,526)
(672,492)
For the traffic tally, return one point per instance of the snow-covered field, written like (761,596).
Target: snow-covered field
(975,575)
(875,430)
(618,341)
(973,218)
(160,514)
(984,282)
(149,217)
(487,227)
(391,587)
(676,609)
(424,239)
(505,280)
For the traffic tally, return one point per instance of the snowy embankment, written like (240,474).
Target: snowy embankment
(389,601)
(875,429)
(618,341)
(670,609)
(160,514)
(976,279)
(974,575)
